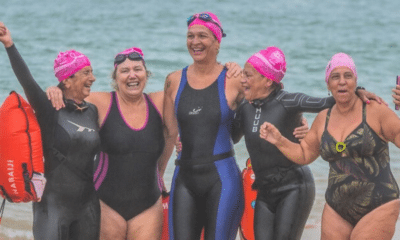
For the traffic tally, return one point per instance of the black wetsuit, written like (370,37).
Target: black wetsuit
(69,208)
(285,190)
(126,176)
(206,188)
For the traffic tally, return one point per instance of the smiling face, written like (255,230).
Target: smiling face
(255,86)
(201,43)
(131,77)
(77,87)
(342,83)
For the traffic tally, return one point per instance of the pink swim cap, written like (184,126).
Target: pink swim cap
(270,63)
(128,53)
(340,60)
(131,50)
(210,21)
(68,63)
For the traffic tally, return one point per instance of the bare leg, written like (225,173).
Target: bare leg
(333,226)
(148,224)
(378,224)
(112,226)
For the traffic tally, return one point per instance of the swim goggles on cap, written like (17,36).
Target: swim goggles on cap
(205,17)
(132,56)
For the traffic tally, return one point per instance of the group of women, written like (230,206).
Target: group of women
(135,134)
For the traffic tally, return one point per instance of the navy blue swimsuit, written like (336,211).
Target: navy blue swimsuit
(206,188)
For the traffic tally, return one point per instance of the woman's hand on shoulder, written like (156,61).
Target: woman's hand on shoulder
(234,70)
(234,90)
(366,96)
(55,95)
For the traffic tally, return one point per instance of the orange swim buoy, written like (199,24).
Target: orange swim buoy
(21,154)
(250,195)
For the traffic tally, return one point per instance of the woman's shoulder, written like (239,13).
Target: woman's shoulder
(375,106)
(379,110)
(172,82)
(156,95)
(158,100)
(174,76)
(99,99)
(321,116)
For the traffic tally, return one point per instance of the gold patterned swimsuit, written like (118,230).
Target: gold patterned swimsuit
(360,178)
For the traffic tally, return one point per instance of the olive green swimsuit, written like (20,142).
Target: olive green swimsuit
(360,178)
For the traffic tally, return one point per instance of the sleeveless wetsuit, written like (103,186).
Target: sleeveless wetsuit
(360,178)
(286,190)
(126,176)
(69,208)
(206,187)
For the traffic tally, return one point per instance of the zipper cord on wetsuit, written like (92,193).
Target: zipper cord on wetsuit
(2,209)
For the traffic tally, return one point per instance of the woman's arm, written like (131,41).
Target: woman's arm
(170,122)
(237,126)
(302,153)
(389,124)
(158,100)
(304,103)
(36,97)
(44,112)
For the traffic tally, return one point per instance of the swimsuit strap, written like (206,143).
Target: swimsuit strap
(114,96)
(364,113)
(327,118)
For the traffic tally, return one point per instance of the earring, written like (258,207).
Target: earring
(329,93)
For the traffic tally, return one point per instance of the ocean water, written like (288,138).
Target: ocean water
(309,32)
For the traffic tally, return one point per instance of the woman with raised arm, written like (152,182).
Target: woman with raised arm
(362,198)
(69,208)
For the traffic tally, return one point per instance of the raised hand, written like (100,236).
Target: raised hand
(396,95)
(5,36)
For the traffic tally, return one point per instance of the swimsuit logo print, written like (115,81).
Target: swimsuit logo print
(195,111)
(81,128)
(256,120)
